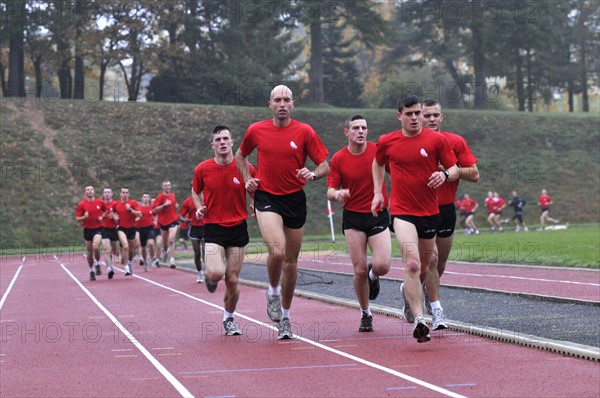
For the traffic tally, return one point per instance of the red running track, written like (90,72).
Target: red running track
(61,336)
(567,283)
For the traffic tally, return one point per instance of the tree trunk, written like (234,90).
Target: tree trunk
(3,78)
(530,86)
(103,67)
(478,60)
(37,67)
(79,86)
(570,95)
(65,81)
(519,80)
(584,79)
(315,75)
(15,86)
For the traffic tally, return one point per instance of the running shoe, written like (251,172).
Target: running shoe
(421,331)
(111,272)
(373,284)
(127,270)
(231,328)
(274,307)
(156,263)
(366,323)
(285,330)
(142,262)
(200,277)
(172,262)
(408,315)
(426,301)
(98,269)
(438,321)
(210,285)
(92,276)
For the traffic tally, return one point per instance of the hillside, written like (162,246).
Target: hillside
(51,149)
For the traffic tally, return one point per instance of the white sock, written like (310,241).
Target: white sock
(435,305)
(372,275)
(274,291)
(227,315)
(285,313)
(366,312)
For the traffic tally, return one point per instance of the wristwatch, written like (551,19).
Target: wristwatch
(314,175)
(446,173)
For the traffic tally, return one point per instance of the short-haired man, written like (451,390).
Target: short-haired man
(413,154)
(350,181)
(125,212)
(110,238)
(165,205)
(219,196)
(90,212)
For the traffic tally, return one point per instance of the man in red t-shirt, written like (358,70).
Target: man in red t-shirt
(283,144)
(110,238)
(414,154)
(165,205)
(446,194)
(544,201)
(90,212)
(145,230)
(219,196)
(350,181)
(195,233)
(470,206)
(125,212)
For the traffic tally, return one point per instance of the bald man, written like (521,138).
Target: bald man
(283,145)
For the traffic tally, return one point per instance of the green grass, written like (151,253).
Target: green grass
(578,246)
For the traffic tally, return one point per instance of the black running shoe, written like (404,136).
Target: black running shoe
(98,269)
(92,276)
(373,284)
(366,323)
(111,273)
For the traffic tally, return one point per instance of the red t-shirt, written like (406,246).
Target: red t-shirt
(168,214)
(95,209)
(147,218)
(545,201)
(412,160)
(469,205)
(282,151)
(354,172)
(108,221)
(494,205)
(224,192)
(126,218)
(465,158)
(188,210)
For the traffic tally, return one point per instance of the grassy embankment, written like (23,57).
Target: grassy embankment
(52,149)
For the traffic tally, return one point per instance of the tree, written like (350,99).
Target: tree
(359,15)
(13,21)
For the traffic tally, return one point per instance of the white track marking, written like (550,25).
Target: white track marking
(12,282)
(167,375)
(319,345)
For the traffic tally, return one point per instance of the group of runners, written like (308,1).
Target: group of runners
(424,163)
(495,205)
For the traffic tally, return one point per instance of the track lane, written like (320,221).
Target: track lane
(186,337)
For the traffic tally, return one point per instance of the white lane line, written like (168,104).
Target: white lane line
(12,282)
(319,345)
(167,375)
(476,275)
(524,278)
